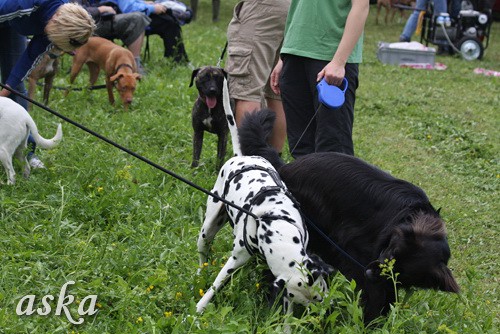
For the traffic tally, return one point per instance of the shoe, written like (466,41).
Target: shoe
(36,163)
(141,70)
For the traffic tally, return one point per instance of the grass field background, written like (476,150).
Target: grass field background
(127,232)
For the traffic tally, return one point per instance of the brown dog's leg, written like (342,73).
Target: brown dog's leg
(109,87)
(49,79)
(93,72)
(75,69)
(31,91)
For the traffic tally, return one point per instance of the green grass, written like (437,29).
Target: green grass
(127,232)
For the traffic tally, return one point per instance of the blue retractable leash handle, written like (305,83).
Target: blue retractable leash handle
(331,96)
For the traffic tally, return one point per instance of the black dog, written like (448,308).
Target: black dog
(370,214)
(208,111)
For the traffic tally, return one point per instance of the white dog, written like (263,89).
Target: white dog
(274,229)
(15,126)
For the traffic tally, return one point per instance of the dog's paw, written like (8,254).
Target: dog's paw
(200,307)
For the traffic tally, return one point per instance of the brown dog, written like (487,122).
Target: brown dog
(117,62)
(46,69)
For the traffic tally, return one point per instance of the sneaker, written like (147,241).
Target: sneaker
(141,70)
(35,163)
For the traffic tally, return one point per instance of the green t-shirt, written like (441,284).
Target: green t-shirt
(314,29)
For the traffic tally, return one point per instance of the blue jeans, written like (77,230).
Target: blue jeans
(421,5)
(13,45)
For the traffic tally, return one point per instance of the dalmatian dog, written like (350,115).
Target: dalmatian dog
(271,227)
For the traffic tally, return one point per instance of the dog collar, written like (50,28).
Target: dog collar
(274,175)
(123,65)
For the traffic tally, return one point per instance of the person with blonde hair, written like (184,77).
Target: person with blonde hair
(52,23)
(55,25)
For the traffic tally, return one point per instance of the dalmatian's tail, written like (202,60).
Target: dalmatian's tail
(254,133)
(231,122)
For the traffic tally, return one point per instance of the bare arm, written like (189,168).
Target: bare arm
(334,71)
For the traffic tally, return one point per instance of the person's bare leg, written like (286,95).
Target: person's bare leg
(278,136)
(135,46)
(243,107)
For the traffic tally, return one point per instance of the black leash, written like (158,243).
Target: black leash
(74,89)
(305,130)
(132,153)
(221,58)
(178,177)
(334,244)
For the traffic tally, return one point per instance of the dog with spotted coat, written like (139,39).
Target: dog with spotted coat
(275,229)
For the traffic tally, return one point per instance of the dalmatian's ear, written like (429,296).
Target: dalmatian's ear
(317,267)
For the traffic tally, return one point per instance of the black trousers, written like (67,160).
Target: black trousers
(331,130)
(167,27)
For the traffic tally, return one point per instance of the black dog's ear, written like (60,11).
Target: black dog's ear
(373,270)
(399,239)
(193,75)
(445,279)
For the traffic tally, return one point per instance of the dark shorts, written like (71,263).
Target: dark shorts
(126,27)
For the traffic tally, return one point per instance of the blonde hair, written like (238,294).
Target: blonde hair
(70,27)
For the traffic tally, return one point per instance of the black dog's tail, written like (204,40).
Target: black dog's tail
(254,133)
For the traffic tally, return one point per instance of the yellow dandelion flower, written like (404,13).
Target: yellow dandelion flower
(214,262)
(257,285)
(168,314)
(429,137)
(99,305)
(100,189)
(202,293)
(205,264)
(178,295)
(139,320)
(124,173)
(149,288)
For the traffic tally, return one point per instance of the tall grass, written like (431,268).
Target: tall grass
(127,232)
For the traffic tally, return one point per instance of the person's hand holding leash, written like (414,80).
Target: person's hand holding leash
(333,73)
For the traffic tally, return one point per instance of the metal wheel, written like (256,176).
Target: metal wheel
(471,48)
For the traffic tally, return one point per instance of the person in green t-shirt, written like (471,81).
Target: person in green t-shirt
(323,39)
